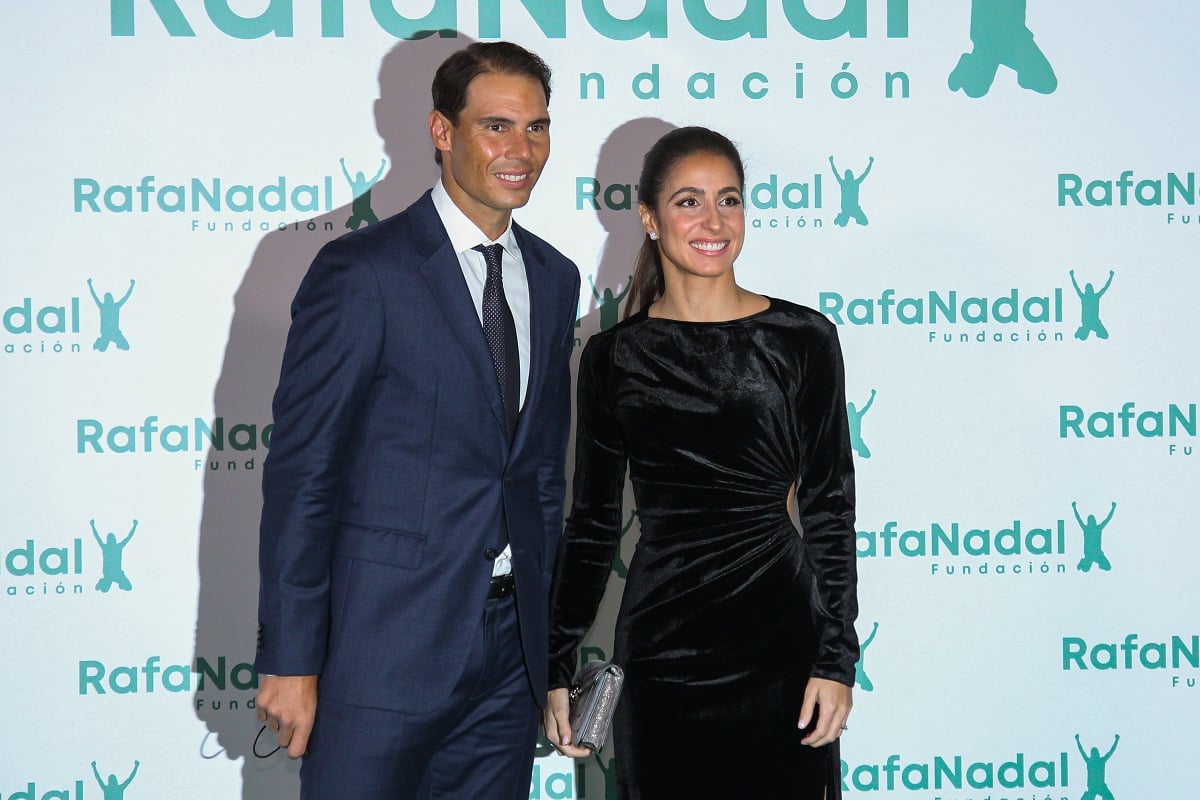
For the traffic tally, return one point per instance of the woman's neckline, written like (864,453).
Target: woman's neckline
(734,321)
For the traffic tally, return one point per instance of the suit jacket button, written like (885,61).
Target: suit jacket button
(491,554)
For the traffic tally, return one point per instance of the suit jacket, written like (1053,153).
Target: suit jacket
(390,479)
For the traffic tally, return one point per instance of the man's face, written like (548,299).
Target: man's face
(494,155)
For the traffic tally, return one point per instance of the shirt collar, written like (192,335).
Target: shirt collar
(465,234)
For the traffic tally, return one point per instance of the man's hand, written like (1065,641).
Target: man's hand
(835,702)
(558,729)
(288,706)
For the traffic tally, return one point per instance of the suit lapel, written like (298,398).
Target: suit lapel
(443,274)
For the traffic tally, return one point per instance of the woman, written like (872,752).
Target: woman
(729,409)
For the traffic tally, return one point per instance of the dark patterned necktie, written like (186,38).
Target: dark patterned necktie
(501,334)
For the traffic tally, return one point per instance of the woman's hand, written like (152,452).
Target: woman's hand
(558,729)
(835,702)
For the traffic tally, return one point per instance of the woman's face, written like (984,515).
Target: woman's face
(699,218)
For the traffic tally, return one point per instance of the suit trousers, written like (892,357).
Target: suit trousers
(478,743)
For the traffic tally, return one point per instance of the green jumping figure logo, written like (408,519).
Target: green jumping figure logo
(1089,308)
(851,208)
(854,417)
(860,677)
(1000,36)
(112,788)
(360,189)
(609,303)
(112,553)
(110,319)
(1092,530)
(1097,786)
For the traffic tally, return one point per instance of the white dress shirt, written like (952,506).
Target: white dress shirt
(465,235)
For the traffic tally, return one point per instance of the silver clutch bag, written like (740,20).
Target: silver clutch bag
(593,695)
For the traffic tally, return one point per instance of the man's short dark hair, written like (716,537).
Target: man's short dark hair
(456,73)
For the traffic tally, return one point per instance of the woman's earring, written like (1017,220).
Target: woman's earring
(653,236)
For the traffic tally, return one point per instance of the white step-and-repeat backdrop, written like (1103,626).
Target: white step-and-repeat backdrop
(994,199)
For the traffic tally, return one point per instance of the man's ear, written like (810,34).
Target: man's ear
(441,131)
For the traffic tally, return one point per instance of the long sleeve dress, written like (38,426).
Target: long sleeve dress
(728,609)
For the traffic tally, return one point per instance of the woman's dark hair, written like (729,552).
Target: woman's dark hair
(454,76)
(661,158)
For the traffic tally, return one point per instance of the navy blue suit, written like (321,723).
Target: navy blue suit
(391,483)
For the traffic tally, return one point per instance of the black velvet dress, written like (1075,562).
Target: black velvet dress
(727,608)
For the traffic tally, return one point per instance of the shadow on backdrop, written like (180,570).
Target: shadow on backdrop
(226,612)
(618,162)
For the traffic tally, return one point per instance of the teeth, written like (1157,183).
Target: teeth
(711,247)
(510,177)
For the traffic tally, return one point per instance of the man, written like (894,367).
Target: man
(412,499)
